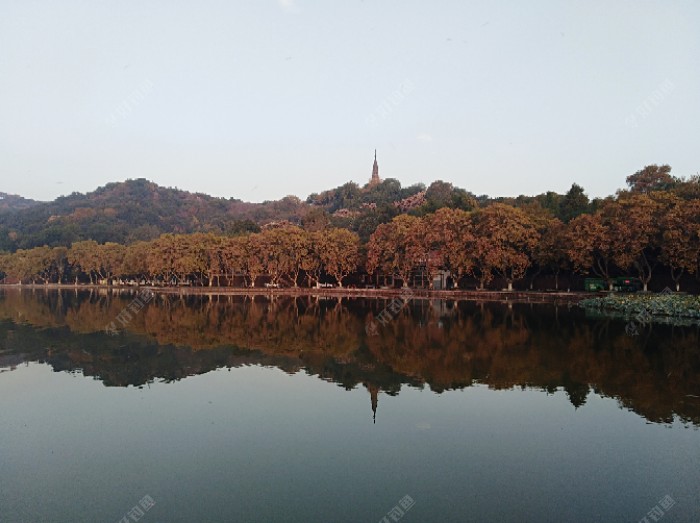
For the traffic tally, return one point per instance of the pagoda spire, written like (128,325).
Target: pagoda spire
(374,399)
(375,180)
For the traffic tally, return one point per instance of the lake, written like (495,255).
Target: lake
(168,408)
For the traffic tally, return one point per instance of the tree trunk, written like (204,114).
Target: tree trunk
(677,278)
(534,276)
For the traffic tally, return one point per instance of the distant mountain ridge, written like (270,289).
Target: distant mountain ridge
(128,211)
(13,202)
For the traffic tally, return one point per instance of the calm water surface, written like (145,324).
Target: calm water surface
(231,409)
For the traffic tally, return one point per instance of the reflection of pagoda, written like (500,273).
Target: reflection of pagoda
(375,172)
(373,393)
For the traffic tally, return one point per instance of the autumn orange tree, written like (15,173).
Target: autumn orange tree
(550,252)
(39,263)
(591,246)
(44,264)
(396,247)
(254,258)
(165,258)
(449,241)
(59,262)
(110,258)
(311,262)
(34,264)
(634,226)
(505,237)
(232,254)
(203,256)
(135,262)
(651,178)
(283,250)
(84,256)
(5,264)
(10,265)
(293,250)
(272,249)
(300,245)
(680,244)
(339,252)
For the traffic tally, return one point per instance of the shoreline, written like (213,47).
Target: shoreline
(515,296)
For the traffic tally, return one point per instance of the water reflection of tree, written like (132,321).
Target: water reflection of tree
(446,346)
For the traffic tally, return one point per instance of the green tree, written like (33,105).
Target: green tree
(443,194)
(574,203)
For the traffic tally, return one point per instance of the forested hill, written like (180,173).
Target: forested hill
(135,210)
(11,202)
(129,211)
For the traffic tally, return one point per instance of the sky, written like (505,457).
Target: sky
(261,99)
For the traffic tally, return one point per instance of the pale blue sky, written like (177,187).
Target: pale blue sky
(261,99)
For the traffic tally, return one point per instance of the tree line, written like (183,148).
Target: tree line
(281,254)
(634,234)
(641,230)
